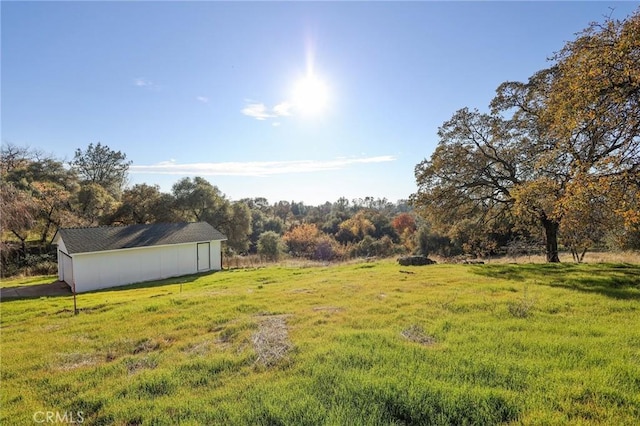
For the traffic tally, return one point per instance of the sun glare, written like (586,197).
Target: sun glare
(310,95)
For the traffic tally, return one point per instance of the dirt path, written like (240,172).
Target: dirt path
(57,288)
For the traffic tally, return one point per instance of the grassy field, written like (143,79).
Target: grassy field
(369,343)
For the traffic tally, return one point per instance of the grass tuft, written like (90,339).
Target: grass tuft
(523,307)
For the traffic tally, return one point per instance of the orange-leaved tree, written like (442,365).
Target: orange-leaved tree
(301,239)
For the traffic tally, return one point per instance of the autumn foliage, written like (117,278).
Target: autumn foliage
(301,240)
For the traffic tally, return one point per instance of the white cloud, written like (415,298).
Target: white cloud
(203,99)
(256,168)
(141,82)
(260,111)
(257,110)
(146,84)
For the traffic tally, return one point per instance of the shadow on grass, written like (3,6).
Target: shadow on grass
(53,289)
(619,281)
(62,289)
(151,284)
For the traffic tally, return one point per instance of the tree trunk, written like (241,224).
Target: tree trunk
(45,232)
(23,243)
(551,233)
(582,255)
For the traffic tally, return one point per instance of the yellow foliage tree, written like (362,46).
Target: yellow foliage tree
(562,149)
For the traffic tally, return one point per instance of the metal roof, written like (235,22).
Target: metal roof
(103,238)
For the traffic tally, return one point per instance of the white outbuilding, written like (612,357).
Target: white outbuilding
(100,257)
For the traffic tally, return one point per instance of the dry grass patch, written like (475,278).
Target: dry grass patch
(271,341)
(73,360)
(134,365)
(200,349)
(146,345)
(416,334)
(302,290)
(330,309)
(593,257)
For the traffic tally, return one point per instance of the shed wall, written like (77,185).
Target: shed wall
(216,255)
(65,268)
(93,271)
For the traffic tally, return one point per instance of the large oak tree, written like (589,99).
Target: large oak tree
(573,126)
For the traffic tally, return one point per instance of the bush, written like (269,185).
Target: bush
(326,248)
(383,247)
(42,268)
(371,247)
(270,245)
(34,262)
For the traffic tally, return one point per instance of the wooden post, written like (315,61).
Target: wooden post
(75,306)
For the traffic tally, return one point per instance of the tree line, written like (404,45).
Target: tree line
(41,194)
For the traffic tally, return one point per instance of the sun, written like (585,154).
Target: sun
(310,95)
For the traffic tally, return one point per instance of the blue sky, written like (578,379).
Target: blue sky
(208,88)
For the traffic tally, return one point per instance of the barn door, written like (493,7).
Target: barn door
(204,257)
(67,268)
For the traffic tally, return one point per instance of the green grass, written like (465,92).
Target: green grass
(22,281)
(371,343)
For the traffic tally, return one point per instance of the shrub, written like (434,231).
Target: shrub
(326,248)
(270,245)
(383,247)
